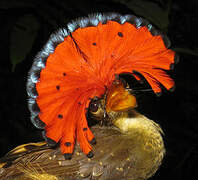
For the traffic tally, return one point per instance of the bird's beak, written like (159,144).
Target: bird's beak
(118,98)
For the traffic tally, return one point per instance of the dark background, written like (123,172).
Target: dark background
(26,26)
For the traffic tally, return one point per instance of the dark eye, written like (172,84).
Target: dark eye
(93,107)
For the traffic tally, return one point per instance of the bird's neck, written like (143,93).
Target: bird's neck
(132,122)
(145,133)
(146,143)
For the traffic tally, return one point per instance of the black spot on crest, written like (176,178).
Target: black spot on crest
(84,129)
(64,74)
(90,154)
(60,116)
(68,156)
(58,87)
(67,144)
(94,44)
(120,34)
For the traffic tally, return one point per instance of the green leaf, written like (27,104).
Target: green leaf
(150,11)
(187,51)
(22,38)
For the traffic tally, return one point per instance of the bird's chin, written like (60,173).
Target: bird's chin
(106,121)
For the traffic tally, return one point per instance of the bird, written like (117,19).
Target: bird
(129,146)
(81,61)
(76,78)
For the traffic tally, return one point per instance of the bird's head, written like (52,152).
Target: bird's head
(117,99)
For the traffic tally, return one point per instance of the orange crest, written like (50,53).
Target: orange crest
(80,61)
(118,98)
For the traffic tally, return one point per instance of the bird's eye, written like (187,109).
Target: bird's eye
(93,107)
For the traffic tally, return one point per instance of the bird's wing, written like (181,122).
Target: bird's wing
(114,159)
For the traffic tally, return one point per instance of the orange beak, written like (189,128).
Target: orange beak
(118,98)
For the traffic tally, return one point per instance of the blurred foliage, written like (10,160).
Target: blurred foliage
(187,51)
(28,24)
(54,13)
(22,38)
(152,11)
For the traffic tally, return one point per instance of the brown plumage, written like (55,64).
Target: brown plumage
(131,147)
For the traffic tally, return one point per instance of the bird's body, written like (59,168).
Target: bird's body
(130,149)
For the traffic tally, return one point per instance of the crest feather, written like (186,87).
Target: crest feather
(80,64)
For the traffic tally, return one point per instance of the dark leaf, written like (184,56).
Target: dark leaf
(22,38)
(187,51)
(149,10)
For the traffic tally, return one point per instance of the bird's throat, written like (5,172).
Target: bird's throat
(146,137)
